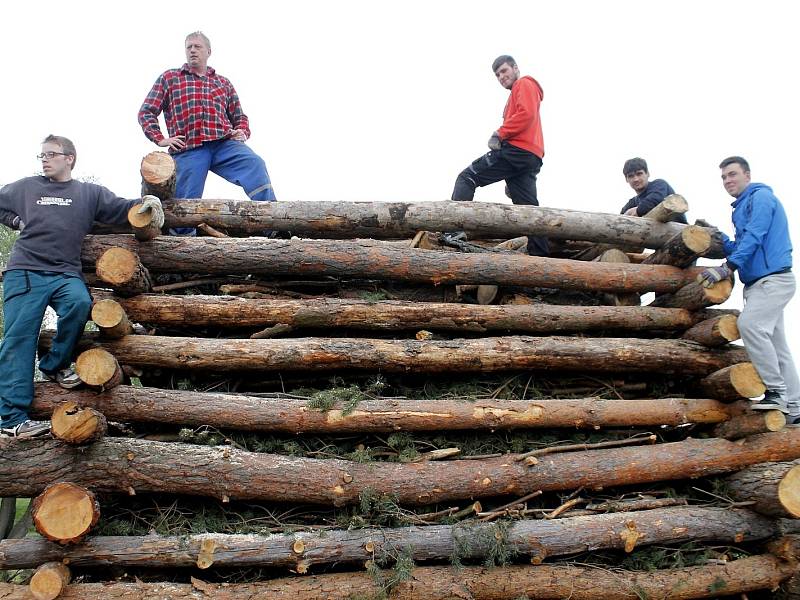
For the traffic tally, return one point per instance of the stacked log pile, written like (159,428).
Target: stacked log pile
(361,413)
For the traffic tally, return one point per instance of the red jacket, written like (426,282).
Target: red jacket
(522,125)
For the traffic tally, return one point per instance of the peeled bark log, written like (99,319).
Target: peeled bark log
(65,512)
(98,369)
(682,250)
(419,356)
(388,315)
(251,413)
(110,318)
(733,383)
(120,268)
(119,465)
(694,296)
(714,332)
(477,583)
(158,175)
(774,486)
(352,259)
(75,424)
(481,220)
(668,209)
(144,228)
(538,538)
(49,581)
(750,424)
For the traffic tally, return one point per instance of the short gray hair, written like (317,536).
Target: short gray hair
(202,36)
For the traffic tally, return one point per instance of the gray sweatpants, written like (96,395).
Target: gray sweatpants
(762,330)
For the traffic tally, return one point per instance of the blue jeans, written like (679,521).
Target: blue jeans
(231,160)
(26,296)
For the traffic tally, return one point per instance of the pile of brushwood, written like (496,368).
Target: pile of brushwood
(355,400)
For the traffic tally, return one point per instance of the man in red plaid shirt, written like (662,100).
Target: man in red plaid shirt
(206,125)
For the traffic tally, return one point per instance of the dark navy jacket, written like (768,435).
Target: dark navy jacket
(653,194)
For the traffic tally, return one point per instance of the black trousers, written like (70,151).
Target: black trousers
(518,168)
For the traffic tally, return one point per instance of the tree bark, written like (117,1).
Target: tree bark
(352,259)
(613,255)
(111,319)
(477,583)
(49,581)
(774,486)
(714,332)
(386,315)
(251,413)
(75,424)
(481,220)
(683,249)
(120,269)
(694,296)
(750,424)
(420,356)
(538,538)
(158,175)
(733,383)
(65,512)
(121,465)
(98,369)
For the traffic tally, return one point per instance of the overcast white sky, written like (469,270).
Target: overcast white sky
(365,100)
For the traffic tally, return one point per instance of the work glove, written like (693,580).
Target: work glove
(17,224)
(717,237)
(153,204)
(714,275)
(494,142)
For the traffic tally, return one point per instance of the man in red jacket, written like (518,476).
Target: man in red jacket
(516,149)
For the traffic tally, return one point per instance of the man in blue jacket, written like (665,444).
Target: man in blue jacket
(762,253)
(649,194)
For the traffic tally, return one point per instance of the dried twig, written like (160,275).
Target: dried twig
(501,510)
(638,439)
(564,508)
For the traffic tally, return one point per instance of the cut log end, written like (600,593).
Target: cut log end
(157,168)
(49,581)
(142,223)
(728,328)
(99,369)
(120,268)
(746,380)
(110,318)
(65,512)
(696,239)
(74,424)
(789,491)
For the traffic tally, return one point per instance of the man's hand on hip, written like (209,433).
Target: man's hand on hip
(494,142)
(238,135)
(176,143)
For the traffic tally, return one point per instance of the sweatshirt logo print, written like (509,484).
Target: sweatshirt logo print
(54,200)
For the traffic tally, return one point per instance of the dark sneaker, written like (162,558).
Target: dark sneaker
(66,378)
(792,421)
(27,429)
(770,401)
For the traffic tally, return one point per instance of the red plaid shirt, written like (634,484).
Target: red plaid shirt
(202,109)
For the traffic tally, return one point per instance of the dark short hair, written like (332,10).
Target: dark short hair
(735,160)
(501,60)
(66,146)
(634,164)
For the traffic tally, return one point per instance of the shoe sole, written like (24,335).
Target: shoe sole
(70,386)
(783,409)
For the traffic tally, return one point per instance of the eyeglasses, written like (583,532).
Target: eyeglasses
(50,155)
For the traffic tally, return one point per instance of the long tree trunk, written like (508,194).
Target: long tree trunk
(387,315)
(773,486)
(122,465)
(420,356)
(397,219)
(477,583)
(537,538)
(333,258)
(251,413)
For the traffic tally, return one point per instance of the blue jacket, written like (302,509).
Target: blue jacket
(762,245)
